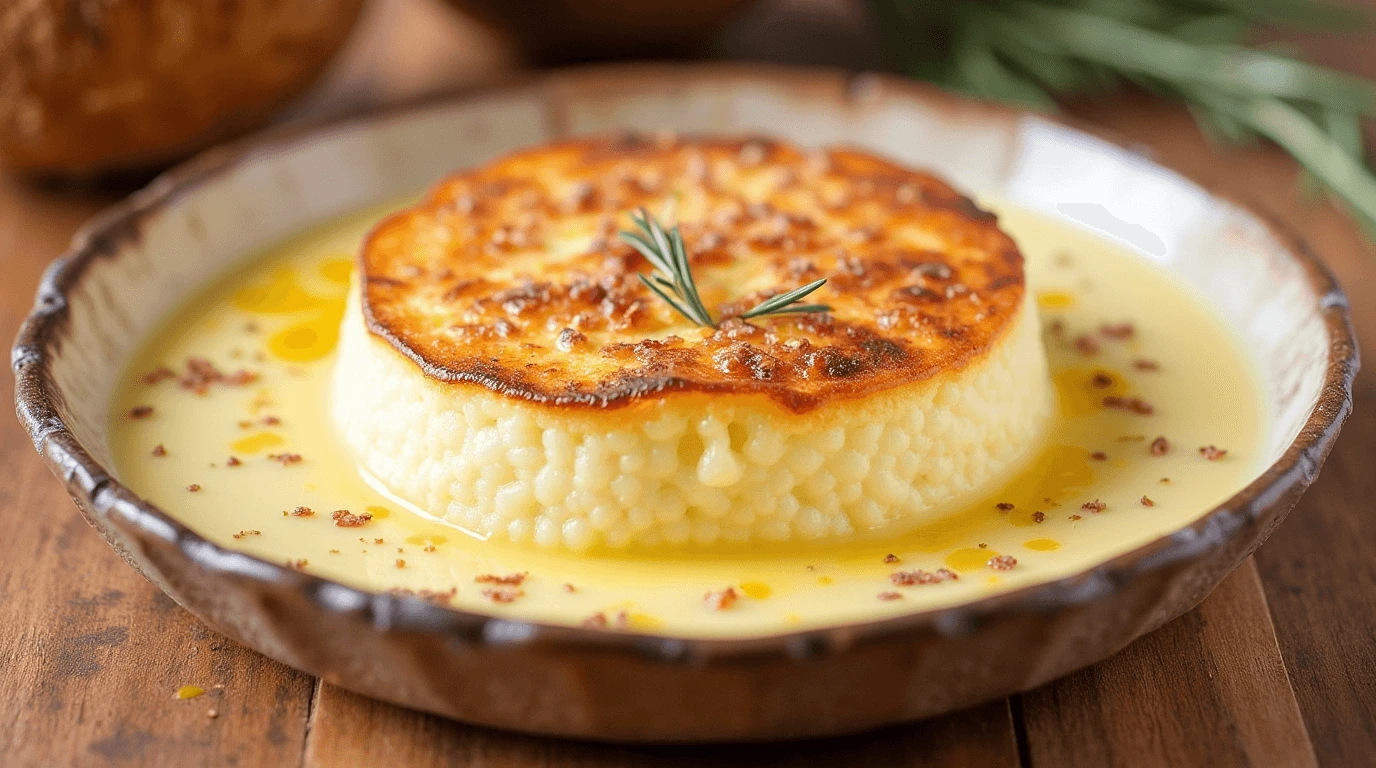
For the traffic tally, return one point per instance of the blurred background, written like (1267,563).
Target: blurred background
(100,90)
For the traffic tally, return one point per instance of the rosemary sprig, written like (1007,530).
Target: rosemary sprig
(673,278)
(1033,52)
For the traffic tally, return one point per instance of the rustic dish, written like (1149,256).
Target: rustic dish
(126,268)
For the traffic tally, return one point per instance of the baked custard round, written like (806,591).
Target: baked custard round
(502,366)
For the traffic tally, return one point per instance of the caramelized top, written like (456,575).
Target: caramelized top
(511,276)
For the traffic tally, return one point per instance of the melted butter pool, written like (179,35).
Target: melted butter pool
(261,451)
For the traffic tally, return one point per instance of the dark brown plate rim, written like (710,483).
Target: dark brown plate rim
(37,398)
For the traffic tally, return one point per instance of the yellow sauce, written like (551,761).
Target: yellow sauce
(278,315)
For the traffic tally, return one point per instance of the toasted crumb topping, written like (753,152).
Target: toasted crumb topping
(299,565)
(302,512)
(159,450)
(912,578)
(1146,502)
(1038,517)
(721,599)
(1212,453)
(887,596)
(503,594)
(1160,446)
(251,532)
(194,487)
(891,558)
(1002,562)
(233,461)
(1004,506)
(1094,506)
(346,519)
(511,579)
(1129,404)
(285,459)
(920,280)
(1117,331)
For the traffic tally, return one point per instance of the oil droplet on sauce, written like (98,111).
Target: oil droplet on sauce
(188,692)
(306,341)
(258,441)
(1056,299)
(419,539)
(1082,390)
(380,513)
(755,590)
(338,270)
(824,580)
(643,621)
(1042,545)
(281,294)
(968,559)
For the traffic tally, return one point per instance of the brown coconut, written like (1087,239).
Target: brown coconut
(90,87)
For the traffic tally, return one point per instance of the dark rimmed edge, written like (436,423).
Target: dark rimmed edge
(38,405)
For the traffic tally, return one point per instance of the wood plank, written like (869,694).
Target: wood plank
(90,652)
(348,729)
(1317,568)
(1209,689)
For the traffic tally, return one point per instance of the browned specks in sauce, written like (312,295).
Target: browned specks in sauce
(1094,506)
(1004,506)
(1057,329)
(982,545)
(299,565)
(1160,446)
(401,563)
(1130,404)
(1146,502)
(194,487)
(302,512)
(1213,453)
(503,594)
(569,588)
(1003,562)
(1038,517)
(1086,344)
(346,519)
(428,547)
(159,450)
(721,599)
(233,461)
(377,541)
(161,373)
(140,411)
(1074,517)
(596,621)
(1164,481)
(271,421)
(887,596)
(1101,380)
(285,459)
(334,551)
(891,558)
(1143,364)
(1117,331)
(511,579)
(250,532)
(919,576)
(1099,456)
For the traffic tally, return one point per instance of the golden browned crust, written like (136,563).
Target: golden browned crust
(511,275)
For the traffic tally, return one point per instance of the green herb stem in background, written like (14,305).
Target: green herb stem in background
(1034,52)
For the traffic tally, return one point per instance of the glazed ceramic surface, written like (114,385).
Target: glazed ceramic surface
(132,264)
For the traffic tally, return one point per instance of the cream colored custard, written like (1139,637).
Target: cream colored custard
(222,420)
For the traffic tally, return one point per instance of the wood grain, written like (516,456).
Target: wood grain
(91,653)
(1209,689)
(978,738)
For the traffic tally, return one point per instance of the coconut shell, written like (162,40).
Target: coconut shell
(93,87)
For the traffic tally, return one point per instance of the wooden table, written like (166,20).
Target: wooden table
(1276,668)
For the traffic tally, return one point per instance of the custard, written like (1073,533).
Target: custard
(1133,354)
(504,368)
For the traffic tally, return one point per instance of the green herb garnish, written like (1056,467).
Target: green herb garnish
(673,278)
